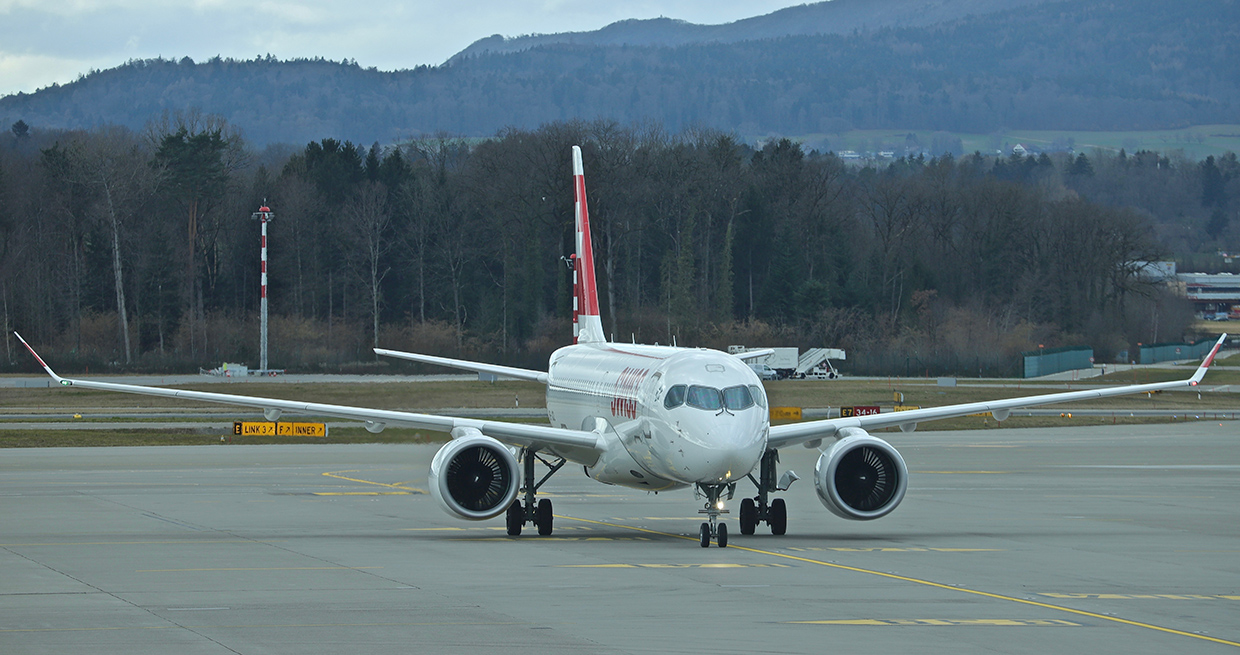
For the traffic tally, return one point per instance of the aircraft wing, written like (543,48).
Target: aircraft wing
(560,440)
(786,435)
(493,369)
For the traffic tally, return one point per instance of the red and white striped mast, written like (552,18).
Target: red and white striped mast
(263,215)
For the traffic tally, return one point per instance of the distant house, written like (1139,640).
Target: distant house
(1026,151)
(1156,271)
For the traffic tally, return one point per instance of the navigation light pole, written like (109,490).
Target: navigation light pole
(263,215)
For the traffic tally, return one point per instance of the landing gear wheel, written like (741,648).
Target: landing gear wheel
(778,516)
(721,535)
(704,535)
(543,517)
(749,516)
(515,519)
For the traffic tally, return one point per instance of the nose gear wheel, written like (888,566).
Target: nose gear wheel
(713,529)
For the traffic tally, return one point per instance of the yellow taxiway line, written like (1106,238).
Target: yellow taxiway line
(928,583)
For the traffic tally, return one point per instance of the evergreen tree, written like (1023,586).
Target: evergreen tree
(192,166)
(1218,222)
(1081,167)
(1213,188)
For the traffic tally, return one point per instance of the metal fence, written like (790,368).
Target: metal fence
(901,363)
(1168,352)
(1056,360)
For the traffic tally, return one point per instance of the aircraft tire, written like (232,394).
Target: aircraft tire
(704,535)
(721,535)
(514,518)
(749,516)
(543,517)
(778,517)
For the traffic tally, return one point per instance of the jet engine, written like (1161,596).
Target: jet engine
(473,476)
(860,477)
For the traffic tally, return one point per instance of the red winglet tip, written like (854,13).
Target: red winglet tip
(36,356)
(1214,351)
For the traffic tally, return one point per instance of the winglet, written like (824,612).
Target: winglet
(47,368)
(590,324)
(1201,370)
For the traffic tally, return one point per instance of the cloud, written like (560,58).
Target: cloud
(42,70)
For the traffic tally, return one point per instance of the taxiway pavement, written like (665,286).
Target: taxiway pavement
(1100,539)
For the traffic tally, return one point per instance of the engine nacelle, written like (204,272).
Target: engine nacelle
(860,477)
(474,477)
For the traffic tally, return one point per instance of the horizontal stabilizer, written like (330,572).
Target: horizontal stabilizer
(465,365)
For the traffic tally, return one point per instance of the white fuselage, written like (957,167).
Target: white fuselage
(712,429)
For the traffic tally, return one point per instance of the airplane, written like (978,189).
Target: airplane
(647,417)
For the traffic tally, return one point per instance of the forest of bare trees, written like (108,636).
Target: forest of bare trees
(124,251)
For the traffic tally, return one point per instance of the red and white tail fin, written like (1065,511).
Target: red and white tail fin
(587,324)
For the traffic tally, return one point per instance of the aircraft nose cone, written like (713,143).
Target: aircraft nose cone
(735,455)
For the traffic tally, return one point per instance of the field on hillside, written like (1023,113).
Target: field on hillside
(1195,142)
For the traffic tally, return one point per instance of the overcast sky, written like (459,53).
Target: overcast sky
(46,41)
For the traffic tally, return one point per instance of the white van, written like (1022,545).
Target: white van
(764,372)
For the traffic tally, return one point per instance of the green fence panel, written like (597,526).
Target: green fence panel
(1057,360)
(1170,352)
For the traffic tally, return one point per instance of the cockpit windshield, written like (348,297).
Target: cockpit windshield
(735,398)
(758,396)
(704,398)
(709,398)
(675,397)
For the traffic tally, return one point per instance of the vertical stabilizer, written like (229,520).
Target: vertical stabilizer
(589,326)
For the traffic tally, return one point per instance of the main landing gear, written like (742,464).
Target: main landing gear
(528,511)
(758,509)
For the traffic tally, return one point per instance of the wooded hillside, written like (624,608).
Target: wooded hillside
(1077,64)
(121,251)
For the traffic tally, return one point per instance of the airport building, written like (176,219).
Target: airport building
(1214,295)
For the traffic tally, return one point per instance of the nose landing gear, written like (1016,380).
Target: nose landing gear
(713,529)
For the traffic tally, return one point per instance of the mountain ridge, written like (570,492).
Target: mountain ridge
(1069,64)
(830,17)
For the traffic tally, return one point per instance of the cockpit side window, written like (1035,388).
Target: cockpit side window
(704,398)
(675,397)
(737,398)
(758,396)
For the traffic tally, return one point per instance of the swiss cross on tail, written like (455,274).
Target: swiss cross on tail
(587,325)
